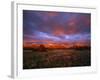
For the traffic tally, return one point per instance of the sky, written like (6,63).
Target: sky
(41,27)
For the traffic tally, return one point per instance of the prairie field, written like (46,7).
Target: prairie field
(53,58)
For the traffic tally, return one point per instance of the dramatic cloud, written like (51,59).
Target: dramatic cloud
(42,26)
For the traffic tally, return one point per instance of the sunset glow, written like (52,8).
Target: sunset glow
(56,28)
(56,39)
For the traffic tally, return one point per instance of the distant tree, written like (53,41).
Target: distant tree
(42,48)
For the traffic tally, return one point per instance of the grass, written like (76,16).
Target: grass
(52,58)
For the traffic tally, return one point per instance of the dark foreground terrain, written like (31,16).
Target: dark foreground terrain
(52,58)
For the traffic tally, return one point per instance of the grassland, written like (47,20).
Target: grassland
(52,58)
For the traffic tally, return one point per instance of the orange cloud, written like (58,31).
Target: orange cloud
(58,30)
